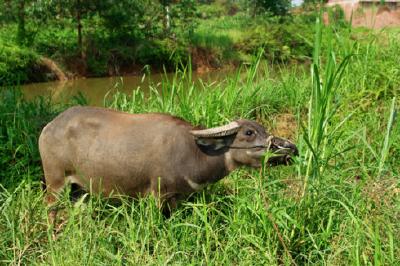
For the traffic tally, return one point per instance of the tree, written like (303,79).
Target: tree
(167,14)
(15,11)
(29,15)
(185,13)
(123,15)
(77,10)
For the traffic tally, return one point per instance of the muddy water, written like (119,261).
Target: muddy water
(95,89)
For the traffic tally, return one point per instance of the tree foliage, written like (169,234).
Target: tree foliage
(275,7)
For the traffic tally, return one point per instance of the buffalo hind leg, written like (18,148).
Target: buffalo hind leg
(55,184)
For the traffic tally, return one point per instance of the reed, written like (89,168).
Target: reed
(326,79)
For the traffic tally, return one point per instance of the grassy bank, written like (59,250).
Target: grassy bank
(345,212)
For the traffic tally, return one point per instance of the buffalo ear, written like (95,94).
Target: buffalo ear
(216,140)
(215,146)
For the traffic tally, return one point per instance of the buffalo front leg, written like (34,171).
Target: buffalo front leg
(169,206)
(166,200)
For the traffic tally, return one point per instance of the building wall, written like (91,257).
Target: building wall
(369,13)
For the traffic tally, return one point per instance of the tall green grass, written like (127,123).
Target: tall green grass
(239,96)
(326,79)
(349,217)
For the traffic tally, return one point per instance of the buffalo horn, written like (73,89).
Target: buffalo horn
(221,131)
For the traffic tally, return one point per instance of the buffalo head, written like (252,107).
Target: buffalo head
(245,142)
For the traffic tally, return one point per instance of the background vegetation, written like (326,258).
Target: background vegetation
(101,38)
(338,204)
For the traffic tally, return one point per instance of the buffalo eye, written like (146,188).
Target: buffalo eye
(249,132)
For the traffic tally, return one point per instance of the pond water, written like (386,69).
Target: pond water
(95,89)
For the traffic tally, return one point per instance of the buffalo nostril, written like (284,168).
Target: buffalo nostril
(295,151)
(292,147)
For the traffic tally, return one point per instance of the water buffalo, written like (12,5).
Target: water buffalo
(112,152)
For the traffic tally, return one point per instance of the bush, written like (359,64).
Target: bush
(281,42)
(17,64)
(162,52)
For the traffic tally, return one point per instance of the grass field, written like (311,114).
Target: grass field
(338,204)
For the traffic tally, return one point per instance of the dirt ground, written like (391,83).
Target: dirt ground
(376,17)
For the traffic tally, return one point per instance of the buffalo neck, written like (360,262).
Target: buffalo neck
(212,168)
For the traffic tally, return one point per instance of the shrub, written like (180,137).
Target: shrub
(16,64)
(281,42)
